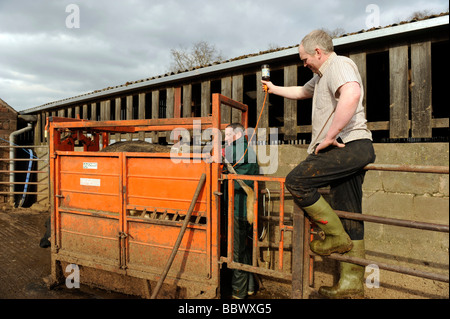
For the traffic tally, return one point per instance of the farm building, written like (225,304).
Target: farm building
(402,67)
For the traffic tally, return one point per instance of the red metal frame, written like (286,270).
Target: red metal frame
(302,271)
(279,273)
(92,223)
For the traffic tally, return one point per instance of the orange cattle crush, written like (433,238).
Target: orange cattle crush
(122,212)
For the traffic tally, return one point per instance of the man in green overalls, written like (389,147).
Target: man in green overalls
(244,162)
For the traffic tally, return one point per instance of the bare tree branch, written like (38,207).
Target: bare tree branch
(200,54)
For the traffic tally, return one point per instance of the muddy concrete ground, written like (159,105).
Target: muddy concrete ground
(24,265)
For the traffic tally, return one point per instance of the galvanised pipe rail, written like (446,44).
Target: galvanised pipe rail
(408,168)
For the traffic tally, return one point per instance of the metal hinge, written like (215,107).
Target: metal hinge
(122,235)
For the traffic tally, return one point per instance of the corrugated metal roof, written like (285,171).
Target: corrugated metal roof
(251,59)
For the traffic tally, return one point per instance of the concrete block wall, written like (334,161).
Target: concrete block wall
(412,196)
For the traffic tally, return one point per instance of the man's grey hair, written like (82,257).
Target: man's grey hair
(317,39)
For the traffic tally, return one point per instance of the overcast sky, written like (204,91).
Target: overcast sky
(45,56)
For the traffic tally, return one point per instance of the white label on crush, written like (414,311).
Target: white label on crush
(87,165)
(89,182)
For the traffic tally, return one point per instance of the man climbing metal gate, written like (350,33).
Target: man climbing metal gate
(341,145)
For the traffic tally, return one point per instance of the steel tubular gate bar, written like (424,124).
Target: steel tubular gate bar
(283,228)
(257,270)
(381,220)
(23,146)
(302,256)
(255,224)
(408,168)
(22,160)
(12,193)
(230,221)
(23,171)
(394,268)
(394,221)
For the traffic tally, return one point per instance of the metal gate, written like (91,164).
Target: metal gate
(301,269)
(34,166)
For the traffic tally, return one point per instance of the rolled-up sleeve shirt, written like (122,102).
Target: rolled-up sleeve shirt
(335,72)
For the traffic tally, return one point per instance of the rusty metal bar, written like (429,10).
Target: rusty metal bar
(180,236)
(257,270)
(24,146)
(286,247)
(282,229)
(394,268)
(275,219)
(22,159)
(308,261)
(23,172)
(394,221)
(376,219)
(255,226)
(230,252)
(19,193)
(408,168)
(258,178)
(149,124)
(23,183)
(234,104)
(297,253)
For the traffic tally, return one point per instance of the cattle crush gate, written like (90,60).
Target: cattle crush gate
(122,212)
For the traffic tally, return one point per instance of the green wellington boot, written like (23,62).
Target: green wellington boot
(336,239)
(351,281)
